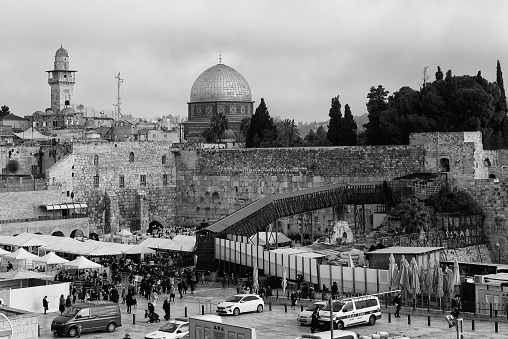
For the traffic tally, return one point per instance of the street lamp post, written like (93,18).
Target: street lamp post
(498,253)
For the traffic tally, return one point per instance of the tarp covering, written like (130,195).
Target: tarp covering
(21,242)
(21,254)
(81,263)
(273,237)
(16,275)
(180,243)
(89,247)
(32,134)
(140,249)
(55,207)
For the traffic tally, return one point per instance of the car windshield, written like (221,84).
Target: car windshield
(234,299)
(169,327)
(71,311)
(314,307)
(336,307)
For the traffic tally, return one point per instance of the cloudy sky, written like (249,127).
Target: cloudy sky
(296,54)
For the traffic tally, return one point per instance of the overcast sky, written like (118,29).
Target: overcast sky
(295,54)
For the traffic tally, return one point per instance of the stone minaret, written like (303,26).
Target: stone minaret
(61,80)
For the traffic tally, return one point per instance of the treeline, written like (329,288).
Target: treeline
(447,104)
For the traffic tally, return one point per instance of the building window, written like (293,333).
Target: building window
(35,169)
(164,179)
(96,160)
(163,159)
(96,181)
(4,170)
(143,179)
(131,157)
(122,181)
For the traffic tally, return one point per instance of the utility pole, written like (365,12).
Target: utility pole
(119,82)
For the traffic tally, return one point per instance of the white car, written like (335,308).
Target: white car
(305,317)
(241,303)
(175,328)
(179,327)
(327,334)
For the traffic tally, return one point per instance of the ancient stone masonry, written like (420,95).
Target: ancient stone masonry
(121,173)
(214,183)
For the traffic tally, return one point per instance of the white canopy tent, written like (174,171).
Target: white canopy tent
(180,243)
(21,256)
(51,259)
(81,263)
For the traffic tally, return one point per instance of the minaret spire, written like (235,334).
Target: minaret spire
(220,57)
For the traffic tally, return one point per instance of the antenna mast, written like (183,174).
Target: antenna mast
(119,82)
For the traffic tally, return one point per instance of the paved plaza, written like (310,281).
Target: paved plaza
(276,323)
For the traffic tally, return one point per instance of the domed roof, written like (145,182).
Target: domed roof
(61,52)
(220,83)
(67,110)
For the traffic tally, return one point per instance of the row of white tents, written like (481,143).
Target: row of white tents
(47,243)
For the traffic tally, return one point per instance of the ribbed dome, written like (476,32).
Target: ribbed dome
(61,52)
(220,83)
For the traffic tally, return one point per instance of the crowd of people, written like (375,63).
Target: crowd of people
(170,232)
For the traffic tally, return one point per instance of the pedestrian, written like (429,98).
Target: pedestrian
(314,323)
(124,293)
(324,292)
(78,332)
(45,304)
(61,305)
(335,290)
(129,302)
(172,293)
(167,308)
(68,301)
(398,303)
(180,289)
(293,299)
(456,306)
(155,297)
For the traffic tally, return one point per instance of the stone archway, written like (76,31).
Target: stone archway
(154,227)
(77,234)
(58,234)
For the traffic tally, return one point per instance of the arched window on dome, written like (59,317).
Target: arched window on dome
(131,157)
(163,159)
(96,160)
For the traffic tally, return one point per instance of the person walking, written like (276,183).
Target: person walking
(324,292)
(294,297)
(61,306)
(335,290)
(68,301)
(314,323)
(45,304)
(398,303)
(172,292)
(180,289)
(167,308)
(456,306)
(129,301)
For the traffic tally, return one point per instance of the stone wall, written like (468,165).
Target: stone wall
(66,226)
(25,324)
(26,156)
(214,183)
(17,205)
(463,150)
(108,163)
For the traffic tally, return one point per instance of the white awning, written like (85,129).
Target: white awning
(65,206)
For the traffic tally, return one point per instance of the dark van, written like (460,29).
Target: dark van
(96,316)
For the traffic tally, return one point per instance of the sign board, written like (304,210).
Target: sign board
(206,329)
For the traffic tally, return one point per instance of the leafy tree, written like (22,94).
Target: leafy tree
(12,166)
(335,124)
(318,138)
(4,111)
(439,74)
(244,128)
(218,125)
(375,106)
(413,216)
(262,131)
(455,202)
(349,128)
(287,132)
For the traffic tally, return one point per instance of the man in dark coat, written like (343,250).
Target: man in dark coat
(398,303)
(314,323)
(45,304)
(294,297)
(167,308)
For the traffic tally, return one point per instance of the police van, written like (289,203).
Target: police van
(352,311)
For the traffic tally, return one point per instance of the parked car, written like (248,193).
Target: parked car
(241,303)
(92,316)
(179,327)
(327,335)
(305,317)
(352,311)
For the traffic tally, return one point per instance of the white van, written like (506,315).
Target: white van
(353,311)
(178,328)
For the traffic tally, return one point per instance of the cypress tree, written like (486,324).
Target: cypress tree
(439,74)
(500,83)
(349,128)
(375,106)
(334,126)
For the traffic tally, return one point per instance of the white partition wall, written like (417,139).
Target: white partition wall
(349,279)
